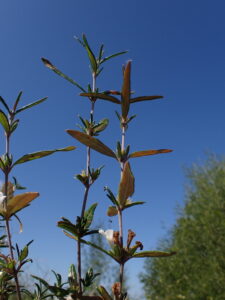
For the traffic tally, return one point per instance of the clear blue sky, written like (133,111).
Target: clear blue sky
(177,48)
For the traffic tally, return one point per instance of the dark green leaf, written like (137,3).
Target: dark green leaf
(5,104)
(17,101)
(49,65)
(24,253)
(148,152)
(144,98)
(89,214)
(133,204)
(101,51)
(90,55)
(4,121)
(111,196)
(68,226)
(91,142)
(96,247)
(113,55)
(101,96)
(31,105)
(153,254)
(14,125)
(40,154)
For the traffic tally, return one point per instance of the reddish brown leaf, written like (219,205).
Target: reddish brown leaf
(149,152)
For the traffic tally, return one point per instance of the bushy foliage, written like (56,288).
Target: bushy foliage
(198,269)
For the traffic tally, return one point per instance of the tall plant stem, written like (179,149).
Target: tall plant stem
(88,164)
(120,215)
(8,225)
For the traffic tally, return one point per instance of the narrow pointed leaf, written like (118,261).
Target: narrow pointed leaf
(4,121)
(90,244)
(17,101)
(31,105)
(149,152)
(145,98)
(40,154)
(105,295)
(91,142)
(101,126)
(101,96)
(90,54)
(153,254)
(5,104)
(89,214)
(113,55)
(125,94)
(68,226)
(49,65)
(133,204)
(126,186)
(101,51)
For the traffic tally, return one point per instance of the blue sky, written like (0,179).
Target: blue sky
(177,49)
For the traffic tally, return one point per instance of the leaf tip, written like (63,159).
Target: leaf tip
(47,63)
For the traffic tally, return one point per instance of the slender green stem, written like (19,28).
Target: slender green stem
(120,215)
(7,222)
(88,164)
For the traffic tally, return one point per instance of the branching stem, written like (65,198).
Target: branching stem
(7,221)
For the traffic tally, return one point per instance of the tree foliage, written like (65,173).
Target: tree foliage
(198,269)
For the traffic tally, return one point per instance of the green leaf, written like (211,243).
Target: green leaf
(101,51)
(112,211)
(31,105)
(91,142)
(125,94)
(148,152)
(111,56)
(4,121)
(49,65)
(153,254)
(91,244)
(14,125)
(89,214)
(105,295)
(145,98)
(90,55)
(101,96)
(101,125)
(5,104)
(40,154)
(24,253)
(126,186)
(133,204)
(68,226)
(111,196)
(17,101)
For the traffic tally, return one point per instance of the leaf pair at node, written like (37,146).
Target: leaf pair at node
(8,123)
(100,147)
(125,93)
(81,228)
(95,63)
(92,128)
